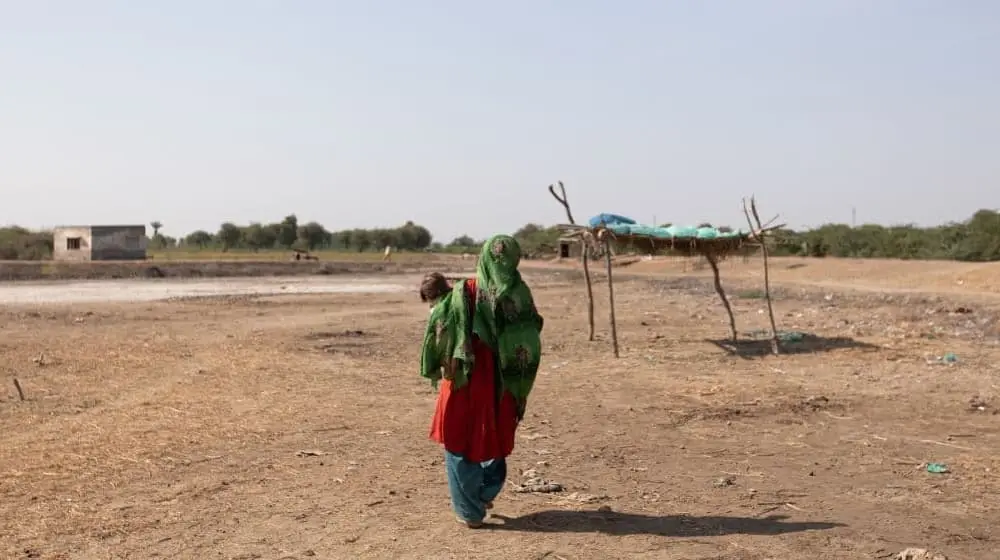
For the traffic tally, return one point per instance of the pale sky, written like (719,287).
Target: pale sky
(458,113)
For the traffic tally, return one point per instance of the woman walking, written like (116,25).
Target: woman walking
(483,343)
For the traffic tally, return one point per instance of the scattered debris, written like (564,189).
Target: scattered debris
(919,554)
(937,468)
(309,453)
(535,484)
(946,444)
(783,336)
(724,481)
(583,498)
(977,404)
(350,333)
(791,336)
(20,391)
(947,359)
(816,402)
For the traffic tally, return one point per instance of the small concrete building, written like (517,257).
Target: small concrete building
(569,248)
(99,243)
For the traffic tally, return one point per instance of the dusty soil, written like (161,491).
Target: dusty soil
(855,274)
(94,270)
(296,427)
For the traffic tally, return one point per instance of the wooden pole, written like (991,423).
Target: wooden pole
(584,256)
(20,391)
(611,295)
(713,262)
(590,289)
(759,237)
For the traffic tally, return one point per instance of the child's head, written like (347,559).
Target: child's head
(433,287)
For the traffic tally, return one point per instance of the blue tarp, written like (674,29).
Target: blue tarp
(610,219)
(627,226)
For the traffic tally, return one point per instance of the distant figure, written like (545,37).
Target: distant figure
(485,334)
(388,254)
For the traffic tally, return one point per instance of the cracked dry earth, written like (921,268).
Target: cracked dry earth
(295,427)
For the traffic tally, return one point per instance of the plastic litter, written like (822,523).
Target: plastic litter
(937,468)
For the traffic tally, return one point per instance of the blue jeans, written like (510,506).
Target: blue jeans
(473,485)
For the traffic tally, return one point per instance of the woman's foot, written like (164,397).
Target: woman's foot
(470,524)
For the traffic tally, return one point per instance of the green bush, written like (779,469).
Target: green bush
(20,244)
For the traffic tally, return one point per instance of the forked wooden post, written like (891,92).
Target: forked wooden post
(759,237)
(611,294)
(713,261)
(585,251)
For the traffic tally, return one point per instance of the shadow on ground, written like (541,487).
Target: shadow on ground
(620,524)
(808,344)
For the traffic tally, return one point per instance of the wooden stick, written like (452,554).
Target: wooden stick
(611,295)
(713,262)
(562,200)
(590,290)
(952,445)
(584,246)
(758,236)
(20,391)
(766,228)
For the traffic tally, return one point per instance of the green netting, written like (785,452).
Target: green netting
(673,232)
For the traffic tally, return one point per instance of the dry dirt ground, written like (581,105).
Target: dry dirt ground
(266,264)
(296,427)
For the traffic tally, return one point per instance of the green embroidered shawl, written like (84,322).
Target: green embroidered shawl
(505,319)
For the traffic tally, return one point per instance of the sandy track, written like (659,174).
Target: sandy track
(176,430)
(120,291)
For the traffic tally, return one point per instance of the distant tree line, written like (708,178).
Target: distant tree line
(976,239)
(310,236)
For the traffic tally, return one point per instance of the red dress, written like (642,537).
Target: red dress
(469,421)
